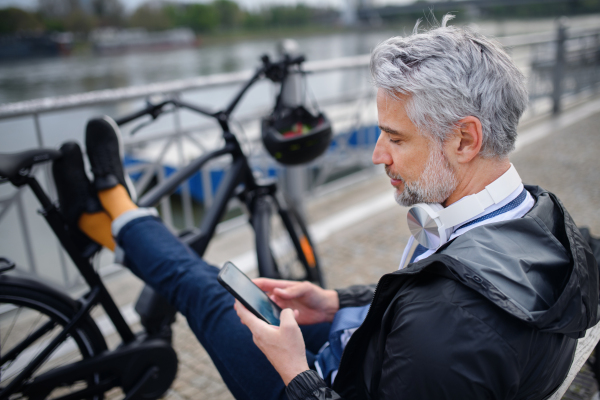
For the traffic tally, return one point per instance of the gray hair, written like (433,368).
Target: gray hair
(451,73)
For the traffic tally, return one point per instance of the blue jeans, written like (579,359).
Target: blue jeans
(190,284)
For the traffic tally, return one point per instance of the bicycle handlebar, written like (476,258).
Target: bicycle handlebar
(274,71)
(152,109)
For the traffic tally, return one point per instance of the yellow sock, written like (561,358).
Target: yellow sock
(97,227)
(116,201)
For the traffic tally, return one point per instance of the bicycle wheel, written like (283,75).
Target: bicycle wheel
(283,244)
(29,320)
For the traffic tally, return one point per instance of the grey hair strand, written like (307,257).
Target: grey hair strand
(450,73)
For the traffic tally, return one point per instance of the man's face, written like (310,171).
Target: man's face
(415,163)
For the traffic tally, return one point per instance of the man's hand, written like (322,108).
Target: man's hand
(314,304)
(283,345)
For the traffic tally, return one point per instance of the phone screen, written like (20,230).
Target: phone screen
(249,294)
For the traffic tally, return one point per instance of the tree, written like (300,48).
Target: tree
(202,18)
(78,21)
(14,20)
(289,16)
(58,8)
(152,17)
(254,21)
(80,16)
(109,12)
(229,13)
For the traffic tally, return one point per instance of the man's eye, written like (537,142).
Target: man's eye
(395,141)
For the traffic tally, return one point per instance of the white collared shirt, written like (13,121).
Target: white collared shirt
(514,213)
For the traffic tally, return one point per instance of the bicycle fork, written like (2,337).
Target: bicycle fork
(262,202)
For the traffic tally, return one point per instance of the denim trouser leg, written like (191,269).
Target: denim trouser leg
(190,284)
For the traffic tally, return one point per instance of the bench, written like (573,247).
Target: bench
(585,346)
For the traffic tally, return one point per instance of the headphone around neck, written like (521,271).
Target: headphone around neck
(432,224)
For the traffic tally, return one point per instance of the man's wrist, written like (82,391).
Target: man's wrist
(333,304)
(288,376)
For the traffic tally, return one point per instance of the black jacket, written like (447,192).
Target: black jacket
(494,314)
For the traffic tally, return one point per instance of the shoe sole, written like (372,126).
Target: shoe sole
(128,183)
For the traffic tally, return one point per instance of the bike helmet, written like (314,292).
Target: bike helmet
(295,136)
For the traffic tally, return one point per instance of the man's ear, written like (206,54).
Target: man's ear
(468,139)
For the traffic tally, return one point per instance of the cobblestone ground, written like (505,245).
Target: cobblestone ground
(566,163)
(197,377)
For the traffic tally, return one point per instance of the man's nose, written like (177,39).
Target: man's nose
(381,154)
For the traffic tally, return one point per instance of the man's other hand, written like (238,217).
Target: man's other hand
(313,303)
(283,345)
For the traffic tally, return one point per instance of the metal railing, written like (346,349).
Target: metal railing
(565,67)
(560,66)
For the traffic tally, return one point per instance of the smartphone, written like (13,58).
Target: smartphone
(250,295)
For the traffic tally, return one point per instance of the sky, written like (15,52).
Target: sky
(131,5)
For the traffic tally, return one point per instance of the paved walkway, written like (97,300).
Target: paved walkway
(565,161)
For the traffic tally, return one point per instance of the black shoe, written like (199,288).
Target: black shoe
(76,194)
(104,150)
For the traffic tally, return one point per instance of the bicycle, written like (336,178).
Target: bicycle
(144,365)
(42,326)
(261,198)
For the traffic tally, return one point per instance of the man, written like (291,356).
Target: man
(494,312)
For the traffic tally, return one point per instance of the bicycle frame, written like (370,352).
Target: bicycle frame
(252,194)
(240,171)
(98,293)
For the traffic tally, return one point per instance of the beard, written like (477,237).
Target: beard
(435,185)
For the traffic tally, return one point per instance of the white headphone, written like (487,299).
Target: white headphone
(431,224)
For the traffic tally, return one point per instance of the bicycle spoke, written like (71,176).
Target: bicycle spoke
(39,334)
(11,328)
(47,327)
(34,325)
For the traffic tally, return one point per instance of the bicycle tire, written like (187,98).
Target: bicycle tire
(284,248)
(25,311)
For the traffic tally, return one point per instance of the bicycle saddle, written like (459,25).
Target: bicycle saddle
(12,163)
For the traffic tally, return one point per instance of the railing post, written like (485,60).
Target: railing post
(295,187)
(559,66)
(596,65)
(186,198)
(294,184)
(52,192)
